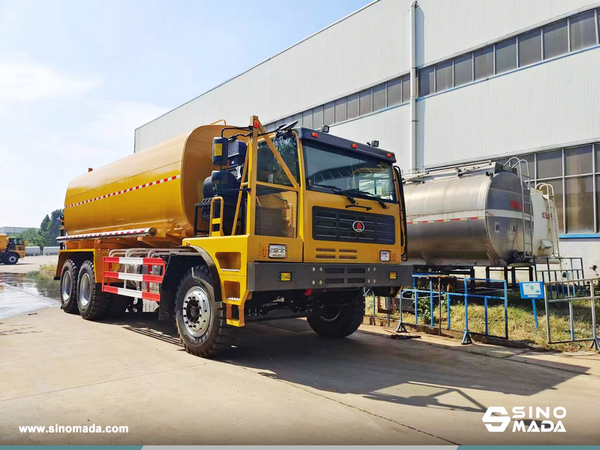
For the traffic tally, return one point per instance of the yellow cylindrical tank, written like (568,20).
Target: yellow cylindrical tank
(155,188)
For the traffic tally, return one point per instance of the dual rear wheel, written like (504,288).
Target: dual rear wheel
(79,291)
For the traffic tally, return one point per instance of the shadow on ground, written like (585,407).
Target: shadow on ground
(375,367)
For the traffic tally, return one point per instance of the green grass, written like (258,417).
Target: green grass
(46,272)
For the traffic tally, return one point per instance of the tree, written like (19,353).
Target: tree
(50,229)
(31,236)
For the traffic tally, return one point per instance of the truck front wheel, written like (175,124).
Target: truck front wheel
(12,258)
(341,320)
(93,303)
(68,287)
(201,318)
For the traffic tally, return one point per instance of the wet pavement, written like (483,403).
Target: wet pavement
(21,294)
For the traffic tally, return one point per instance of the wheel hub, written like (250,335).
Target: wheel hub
(65,288)
(85,290)
(331,313)
(197,311)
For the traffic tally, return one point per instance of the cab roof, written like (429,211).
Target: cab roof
(325,138)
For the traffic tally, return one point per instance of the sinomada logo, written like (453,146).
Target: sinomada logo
(525,419)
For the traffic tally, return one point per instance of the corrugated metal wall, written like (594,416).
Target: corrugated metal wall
(549,105)
(504,114)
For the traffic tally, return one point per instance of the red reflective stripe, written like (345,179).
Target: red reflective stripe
(409,223)
(153,262)
(111,274)
(110,259)
(152,278)
(151,296)
(473,218)
(111,289)
(440,220)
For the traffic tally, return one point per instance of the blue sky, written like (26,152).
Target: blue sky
(77,77)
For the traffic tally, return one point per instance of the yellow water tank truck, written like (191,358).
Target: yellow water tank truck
(226,224)
(11,249)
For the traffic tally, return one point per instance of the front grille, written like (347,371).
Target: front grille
(336,225)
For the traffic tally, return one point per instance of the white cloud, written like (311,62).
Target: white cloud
(47,147)
(22,79)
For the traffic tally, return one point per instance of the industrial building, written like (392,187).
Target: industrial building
(14,230)
(441,83)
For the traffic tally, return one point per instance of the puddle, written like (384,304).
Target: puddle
(21,295)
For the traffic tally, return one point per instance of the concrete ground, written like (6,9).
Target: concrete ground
(280,384)
(29,264)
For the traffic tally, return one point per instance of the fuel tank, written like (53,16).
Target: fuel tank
(155,188)
(468,217)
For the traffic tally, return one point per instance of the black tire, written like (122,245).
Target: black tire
(201,337)
(341,321)
(12,258)
(68,287)
(92,302)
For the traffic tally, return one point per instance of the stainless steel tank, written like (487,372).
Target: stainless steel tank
(467,217)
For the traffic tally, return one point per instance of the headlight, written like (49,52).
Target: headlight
(277,251)
(384,256)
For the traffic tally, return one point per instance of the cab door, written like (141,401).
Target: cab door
(274,178)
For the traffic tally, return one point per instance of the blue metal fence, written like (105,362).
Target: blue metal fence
(463,297)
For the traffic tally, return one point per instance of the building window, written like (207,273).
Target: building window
(426,81)
(579,204)
(583,30)
(556,39)
(578,160)
(340,110)
(307,119)
(298,118)
(463,69)
(443,76)
(352,106)
(329,114)
(549,164)
(366,105)
(506,55)
(405,88)
(530,48)
(394,93)
(379,93)
(317,117)
(484,62)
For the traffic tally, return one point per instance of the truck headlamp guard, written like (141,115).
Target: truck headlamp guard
(277,251)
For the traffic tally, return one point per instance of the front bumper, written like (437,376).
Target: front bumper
(266,276)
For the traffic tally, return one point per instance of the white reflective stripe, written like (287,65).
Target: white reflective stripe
(130,292)
(507,213)
(132,261)
(134,188)
(131,276)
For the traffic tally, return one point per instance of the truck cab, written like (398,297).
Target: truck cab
(11,249)
(301,222)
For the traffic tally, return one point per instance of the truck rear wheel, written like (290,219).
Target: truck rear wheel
(68,287)
(201,318)
(12,258)
(340,321)
(93,303)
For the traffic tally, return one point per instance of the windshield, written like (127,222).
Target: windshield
(359,175)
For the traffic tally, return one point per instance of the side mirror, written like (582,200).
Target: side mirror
(220,151)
